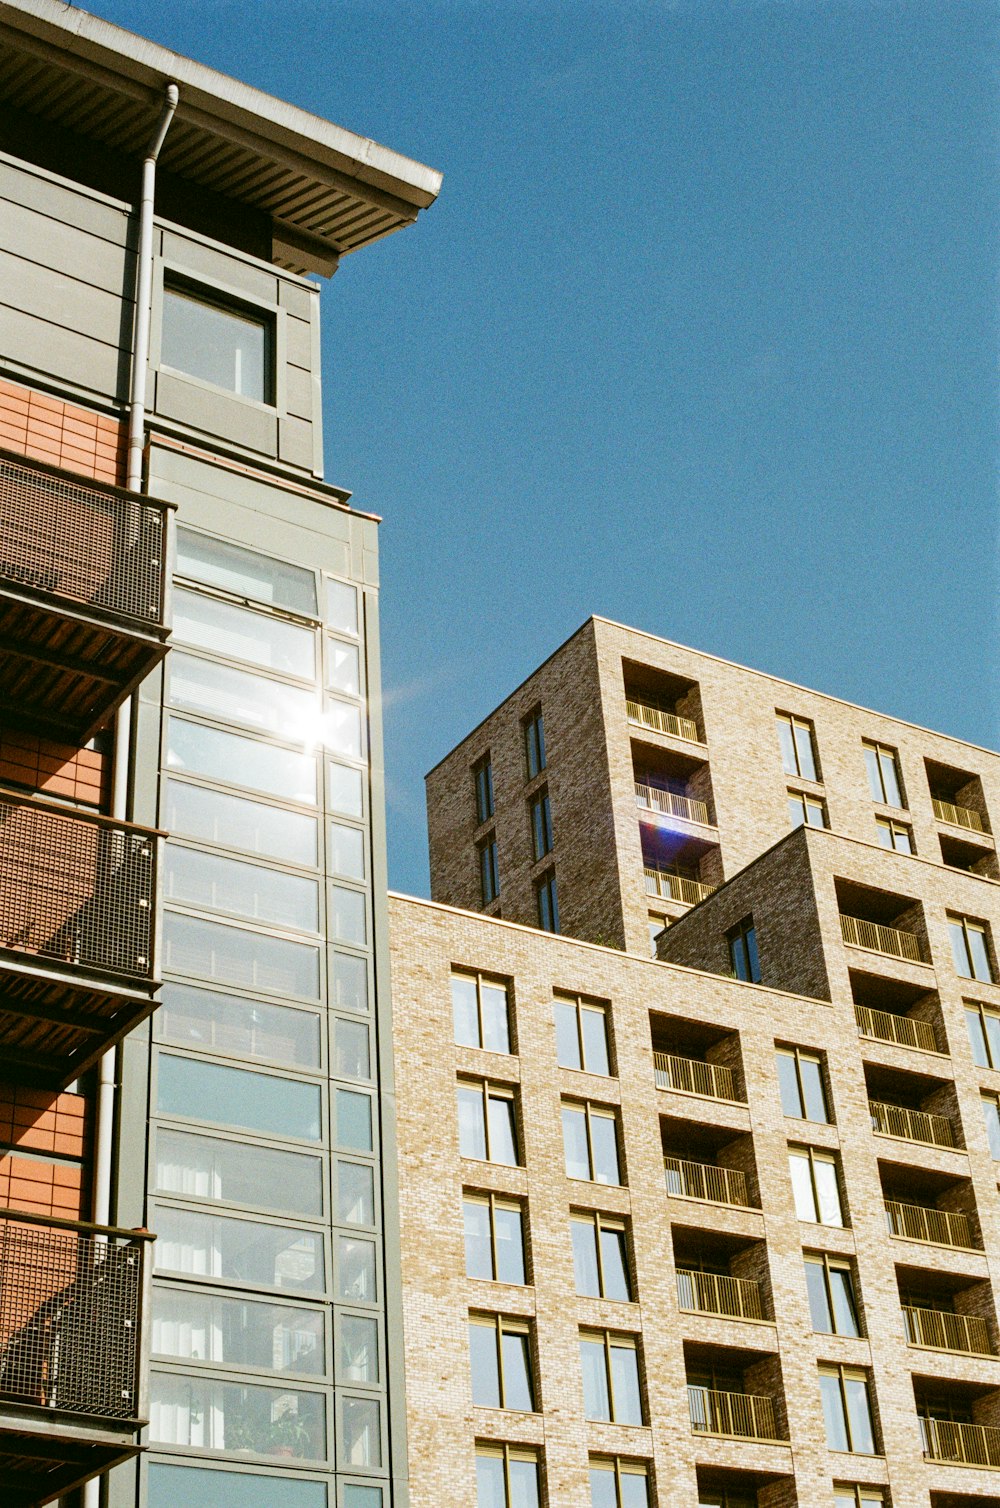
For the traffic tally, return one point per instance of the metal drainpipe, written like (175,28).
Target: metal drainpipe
(105,1108)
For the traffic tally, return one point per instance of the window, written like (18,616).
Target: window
(726,1499)
(815,1186)
(347,851)
(200,1487)
(342,606)
(194,749)
(241,696)
(347,790)
(798,746)
(246,1252)
(357,1352)
(610,1377)
(193,811)
(245,573)
(224,344)
(851,1495)
(197,1327)
(500,1354)
(616,1483)
(206,1167)
(214,1022)
(489,873)
(806,811)
(534,744)
(494,1238)
(656,925)
(360,1440)
(234,956)
(215,883)
(262,639)
(541,825)
(506,1477)
(600,1257)
(984,1034)
(847,1410)
(548,905)
(830,1285)
(991,1110)
(480,1012)
(487,1127)
(236,1097)
(343,667)
(800,1077)
(743,956)
(236,1417)
(882,765)
(590,1142)
(894,835)
(581,1034)
(482,779)
(970,949)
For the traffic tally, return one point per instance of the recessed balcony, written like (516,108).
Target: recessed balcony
(83,597)
(641,715)
(927,1224)
(664,803)
(78,936)
(875,937)
(700,1292)
(911,1125)
(954,1443)
(72,1372)
(958,816)
(668,886)
(737,1416)
(705,1181)
(943,1330)
(901,1031)
(712,1081)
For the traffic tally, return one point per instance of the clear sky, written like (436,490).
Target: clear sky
(701,335)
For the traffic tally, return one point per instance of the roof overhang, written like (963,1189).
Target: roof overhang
(327,190)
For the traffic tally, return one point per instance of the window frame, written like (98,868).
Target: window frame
(488,1090)
(861,1496)
(895,829)
(965,925)
(623,1341)
(488,863)
(603,1112)
(811,1156)
(497,981)
(501,1325)
(535,757)
(805,800)
(548,909)
(884,751)
(581,1003)
(991,1101)
(174,277)
(983,1012)
(827,1263)
(540,823)
(843,1373)
(739,947)
(798,1056)
(598,1222)
(620,1466)
(795,725)
(492,1202)
(482,785)
(506,1452)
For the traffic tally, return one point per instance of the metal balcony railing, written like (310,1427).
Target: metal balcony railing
(916,1222)
(691,1076)
(911,1125)
(877,938)
(744,1416)
(669,804)
(72,1309)
(718,1293)
(661,722)
(958,816)
(705,1180)
(675,887)
(959,1444)
(904,1031)
(939,1330)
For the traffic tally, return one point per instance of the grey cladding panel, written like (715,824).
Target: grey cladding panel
(298,342)
(215,413)
(55,298)
(63,203)
(63,248)
(299,393)
(296,443)
(204,262)
(31,344)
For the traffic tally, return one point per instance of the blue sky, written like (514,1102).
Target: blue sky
(700,335)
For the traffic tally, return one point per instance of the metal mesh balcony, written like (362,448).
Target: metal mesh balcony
(940,1330)
(704,1180)
(661,722)
(916,1222)
(911,1125)
(903,1031)
(691,1076)
(669,804)
(877,938)
(83,593)
(718,1293)
(743,1416)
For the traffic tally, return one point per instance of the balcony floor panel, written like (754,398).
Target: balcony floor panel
(38,1468)
(53,1028)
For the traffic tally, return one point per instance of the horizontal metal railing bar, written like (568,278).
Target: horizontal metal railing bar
(915,1222)
(692,1076)
(708,1181)
(78,814)
(91,484)
(671,804)
(675,887)
(82,1227)
(961,1444)
(660,721)
(904,1031)
(911,1125)
(876,937)
(958,816)
(744,1416)
(718,1293)
(941,1330)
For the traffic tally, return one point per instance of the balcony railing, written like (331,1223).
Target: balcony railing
(904,1031)
(705,1180)
(940,1330)
(744,1416)
(669,804)
(691,1076)
(916,1222)
(83,595)
(661,722)
(675,887)
(911,1125)
(877,938)
(960,1444)
(72,1304)
(958,816)
(718,1293)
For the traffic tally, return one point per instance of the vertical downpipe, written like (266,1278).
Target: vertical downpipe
(105,1109)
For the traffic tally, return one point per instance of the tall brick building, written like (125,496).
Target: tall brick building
(718,1227)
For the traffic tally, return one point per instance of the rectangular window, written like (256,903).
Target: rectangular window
(482,779)
(600,1257)
(242,633)
(798,746)
(506,1477)
(489,872)
(984,1034)
(547,902)
(894,835)
(347,920)
(806,811)
(200,1487)
(800,1077)
(847,1410)
(852,1495)
(249,1253)
(743,956)
(245,573)
(494,1239)
(194,749)
(355,1203)
(212,1021)
(582,1034)
(347,851)
(815,1186)
(590,1142)
(534,744)
(347,790)
(480,1012)
(356,1270)
(970,949)
(241,696)
(206,1167)
(991,1111)
(882,764)
(343,667)
(540,812)
(211,882)
(235,956)
(360,1441)
(500,1356)
(611,1388)
(487,1123)
(615,1483)
(342,607)
(358,1350)
(235,1417)
(196,1327)
(351,1049)
(194,811)
(830,1286)
(227,345)
(237,1097)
